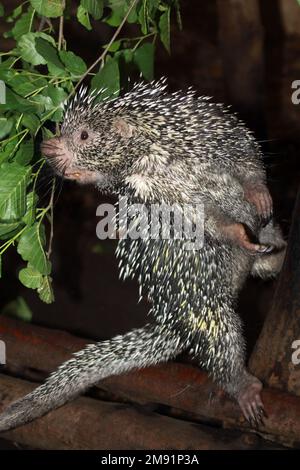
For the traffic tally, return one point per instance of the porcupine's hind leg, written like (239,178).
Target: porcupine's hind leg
(220,349)
(218,342)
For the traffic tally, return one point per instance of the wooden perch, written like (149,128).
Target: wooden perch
(272,357)
(35,351)
(92,424)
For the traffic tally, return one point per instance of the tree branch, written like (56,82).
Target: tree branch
(104,53)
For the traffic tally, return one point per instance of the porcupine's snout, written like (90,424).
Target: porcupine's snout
(51,147)
(57,155)
(61,160)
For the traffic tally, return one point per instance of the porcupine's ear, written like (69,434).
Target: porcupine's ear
(122,127)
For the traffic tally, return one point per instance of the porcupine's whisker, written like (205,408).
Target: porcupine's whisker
(45,179)
(47,189)
(43,190)
(262,141)
(60,184)
(58,163)
(59,181)
(50,147)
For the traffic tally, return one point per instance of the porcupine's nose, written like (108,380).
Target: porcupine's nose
(50,147)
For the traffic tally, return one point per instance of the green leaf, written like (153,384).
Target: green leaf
(25,153)
(108,77)
(114,47)
(48,52)
(31,202)
(13,182)
(114,19)
(30,277)
(8,151)
(6,64)
(125,55)
(27,47)
(22,83)
(31,248)
(7,74)
(43,103)
(143,16)
(16,103)
(31,122)
(49,8)
(119,9)
(19,309)
(1,10)
(17,11)
(7,228)
(45,290)
(47,134)
(118,4)
(28,52)
(57,94)
(144,59)
(94,7)
(56,72)
(83,17)
(23,25)
(5,127)
(164,29)
(178,14)
(73,63)
(133,17)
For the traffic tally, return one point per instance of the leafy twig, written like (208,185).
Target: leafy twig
(104,53)
(59,46)
(61,29)
(51,219)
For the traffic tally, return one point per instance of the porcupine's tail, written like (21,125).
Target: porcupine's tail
(136,349)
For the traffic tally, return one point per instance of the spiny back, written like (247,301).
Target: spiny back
(179,123)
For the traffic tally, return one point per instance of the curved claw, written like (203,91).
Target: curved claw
(265,249)
(261,198)
(266,218)
(252,405)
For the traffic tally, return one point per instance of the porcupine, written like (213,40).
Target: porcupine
(177,148)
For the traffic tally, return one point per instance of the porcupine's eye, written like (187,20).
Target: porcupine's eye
(84,135)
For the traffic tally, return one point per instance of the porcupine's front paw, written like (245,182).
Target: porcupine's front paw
(261,198)
(237,234)
(251,403)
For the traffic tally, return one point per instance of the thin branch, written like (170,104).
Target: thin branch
(51,219)
(60,41)
(45,20)
(114,37)
(61,29)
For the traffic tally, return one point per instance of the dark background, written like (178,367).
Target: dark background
(243,53)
